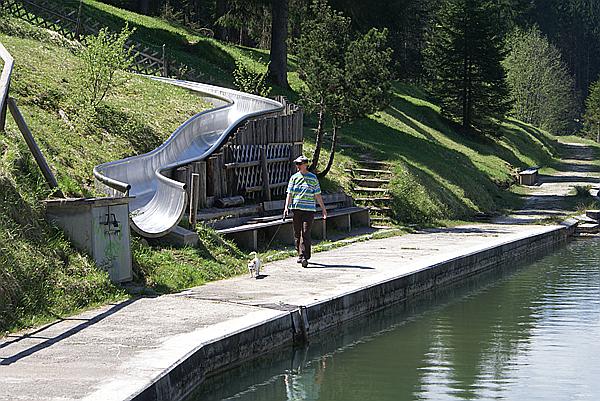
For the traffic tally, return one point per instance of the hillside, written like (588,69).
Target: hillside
(439,173)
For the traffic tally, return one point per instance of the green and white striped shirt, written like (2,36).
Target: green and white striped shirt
(303,188)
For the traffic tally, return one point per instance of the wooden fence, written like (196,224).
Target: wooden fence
(256,162)
(73,24)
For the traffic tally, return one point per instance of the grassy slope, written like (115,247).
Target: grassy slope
(41,276)
(213,59)
(439,174)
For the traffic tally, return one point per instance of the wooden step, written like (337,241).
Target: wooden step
(370,182)
(371,190)
(588,228)
(380,218)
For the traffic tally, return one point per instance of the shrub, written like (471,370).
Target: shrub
(247,80)
(103,55)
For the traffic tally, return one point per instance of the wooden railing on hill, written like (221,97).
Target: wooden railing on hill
(74,25)
(9,103)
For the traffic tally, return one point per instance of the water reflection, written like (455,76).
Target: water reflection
(520,333)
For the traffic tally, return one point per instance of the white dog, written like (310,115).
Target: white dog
(254,265)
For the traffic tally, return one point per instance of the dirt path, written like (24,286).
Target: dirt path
(550,198)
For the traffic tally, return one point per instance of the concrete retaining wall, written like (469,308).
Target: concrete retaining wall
(309,320)
(326,315)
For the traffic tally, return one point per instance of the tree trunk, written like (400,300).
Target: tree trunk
(279,31)
(319,139)
(465,104)
(143,6)
(221,8)
(334,140)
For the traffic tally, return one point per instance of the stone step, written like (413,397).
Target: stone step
(374,163)
(583,218)
(371,190)
(588,228)
(381,226)
(181,237)
(370,182)
(379,209)
(369,171)
(593,214)
(381,218)
(373,199)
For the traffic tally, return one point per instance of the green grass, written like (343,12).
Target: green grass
(438,173)
(42,276)
(441,177)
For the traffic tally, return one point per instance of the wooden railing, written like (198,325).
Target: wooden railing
(9,103)
(73,24)
(8,62)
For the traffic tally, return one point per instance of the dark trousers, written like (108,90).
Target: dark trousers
(302,221)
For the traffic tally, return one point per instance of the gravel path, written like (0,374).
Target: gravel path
(548,199)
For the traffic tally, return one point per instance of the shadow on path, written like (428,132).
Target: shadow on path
(53,340)
(314,265)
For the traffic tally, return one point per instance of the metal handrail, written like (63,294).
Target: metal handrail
(5,83)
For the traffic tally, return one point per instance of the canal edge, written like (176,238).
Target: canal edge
(301,324)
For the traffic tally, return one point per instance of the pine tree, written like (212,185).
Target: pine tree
(591,117)
(463,58)
(344,78)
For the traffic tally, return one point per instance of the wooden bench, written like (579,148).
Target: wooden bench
(529,176)
(247,232)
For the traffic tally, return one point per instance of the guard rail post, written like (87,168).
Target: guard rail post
(78,26)
(3,108)
(4,83)
(165,69)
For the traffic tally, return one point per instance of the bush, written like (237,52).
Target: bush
(247,80)
(103,55)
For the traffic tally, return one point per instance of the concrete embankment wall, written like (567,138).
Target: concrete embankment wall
(305,321)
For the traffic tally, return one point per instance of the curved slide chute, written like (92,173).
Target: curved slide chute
(159,201)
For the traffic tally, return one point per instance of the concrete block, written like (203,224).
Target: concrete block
(342,222)
(588,228)
(319,229)
(283,233)
(593,214)
(179,236)
(360,219)
(246,239)
(98,226)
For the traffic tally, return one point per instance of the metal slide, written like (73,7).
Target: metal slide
(159,201)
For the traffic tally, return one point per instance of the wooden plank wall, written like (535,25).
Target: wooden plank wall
(256,162)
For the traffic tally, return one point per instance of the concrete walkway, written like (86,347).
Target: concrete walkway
(114,352)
